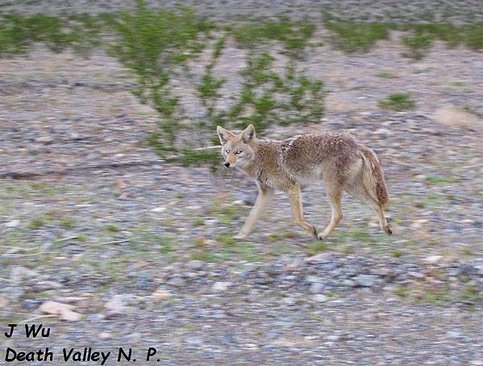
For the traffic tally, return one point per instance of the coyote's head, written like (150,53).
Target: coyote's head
(237,149)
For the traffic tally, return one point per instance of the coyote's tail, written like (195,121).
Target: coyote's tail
(373,176)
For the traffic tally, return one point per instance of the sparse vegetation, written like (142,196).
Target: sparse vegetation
(294,35)
(398,102)
(354,37)
(19,33)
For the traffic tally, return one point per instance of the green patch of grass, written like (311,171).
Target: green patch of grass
(466,251)
(386,75)
(317,247)
(36,224)
(68,223)
(197,157)
(402,291)
(473,36)
(206,256)
(398,102)
(18,33)
(351,37)
(396,253)
(354,37)
(439,180)
(81,238)
(111,228)
(226,240)
(294,35)
(436,296)
(471,294)
(417,45)
(198,222)
(361,235)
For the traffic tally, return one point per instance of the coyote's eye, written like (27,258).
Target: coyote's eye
(227,151)
(238,152)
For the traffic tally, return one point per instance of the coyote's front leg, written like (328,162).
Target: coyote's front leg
(265,194)
(294,196)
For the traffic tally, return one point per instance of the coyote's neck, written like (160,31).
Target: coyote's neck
(264,160)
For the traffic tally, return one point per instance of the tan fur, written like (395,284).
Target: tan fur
(336,158)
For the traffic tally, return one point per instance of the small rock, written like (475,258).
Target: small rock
(158,209)
(13,223)
(312,279)
(415,274)
(320,298)
(195,265)
(64,311)
(20,273)
(349,283)
(177,282)
(316,288)
(383,132)
(296,264)
(290,301)
(476,362)
(119,303)
(419,224)
(221,286)
(47,285)
(105,335)
(434,259)
(453,334)
(193,341)
(161,294)
(466,270)
(365,280)
(333,338)
(45,140)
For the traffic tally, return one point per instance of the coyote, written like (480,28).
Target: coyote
(336,158)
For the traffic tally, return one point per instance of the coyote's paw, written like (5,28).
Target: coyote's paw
(388,230)
(322,236)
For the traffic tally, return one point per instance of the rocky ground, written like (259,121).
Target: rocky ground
(112,247)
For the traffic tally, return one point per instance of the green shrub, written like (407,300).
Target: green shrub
(398,102)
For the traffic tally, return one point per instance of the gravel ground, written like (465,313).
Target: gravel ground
(141,250)
(460,12)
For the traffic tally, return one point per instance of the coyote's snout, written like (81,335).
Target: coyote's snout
(336,158)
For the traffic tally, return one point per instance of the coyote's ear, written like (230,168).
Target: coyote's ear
(224,135)
(248,134)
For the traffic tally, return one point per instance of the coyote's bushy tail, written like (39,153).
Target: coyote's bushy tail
(373,176)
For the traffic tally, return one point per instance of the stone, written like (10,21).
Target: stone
(453,334)
(221,286)
(158,209)
(320,298)
(177,282)
(195,265)
(45,140)
(105,335)
(296,264)
(12,223)
(119,303)
(20,273)
(433,259)
(415,274)
(364,280)
(161,294)
(47,285)
(63,311)
(316,288)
